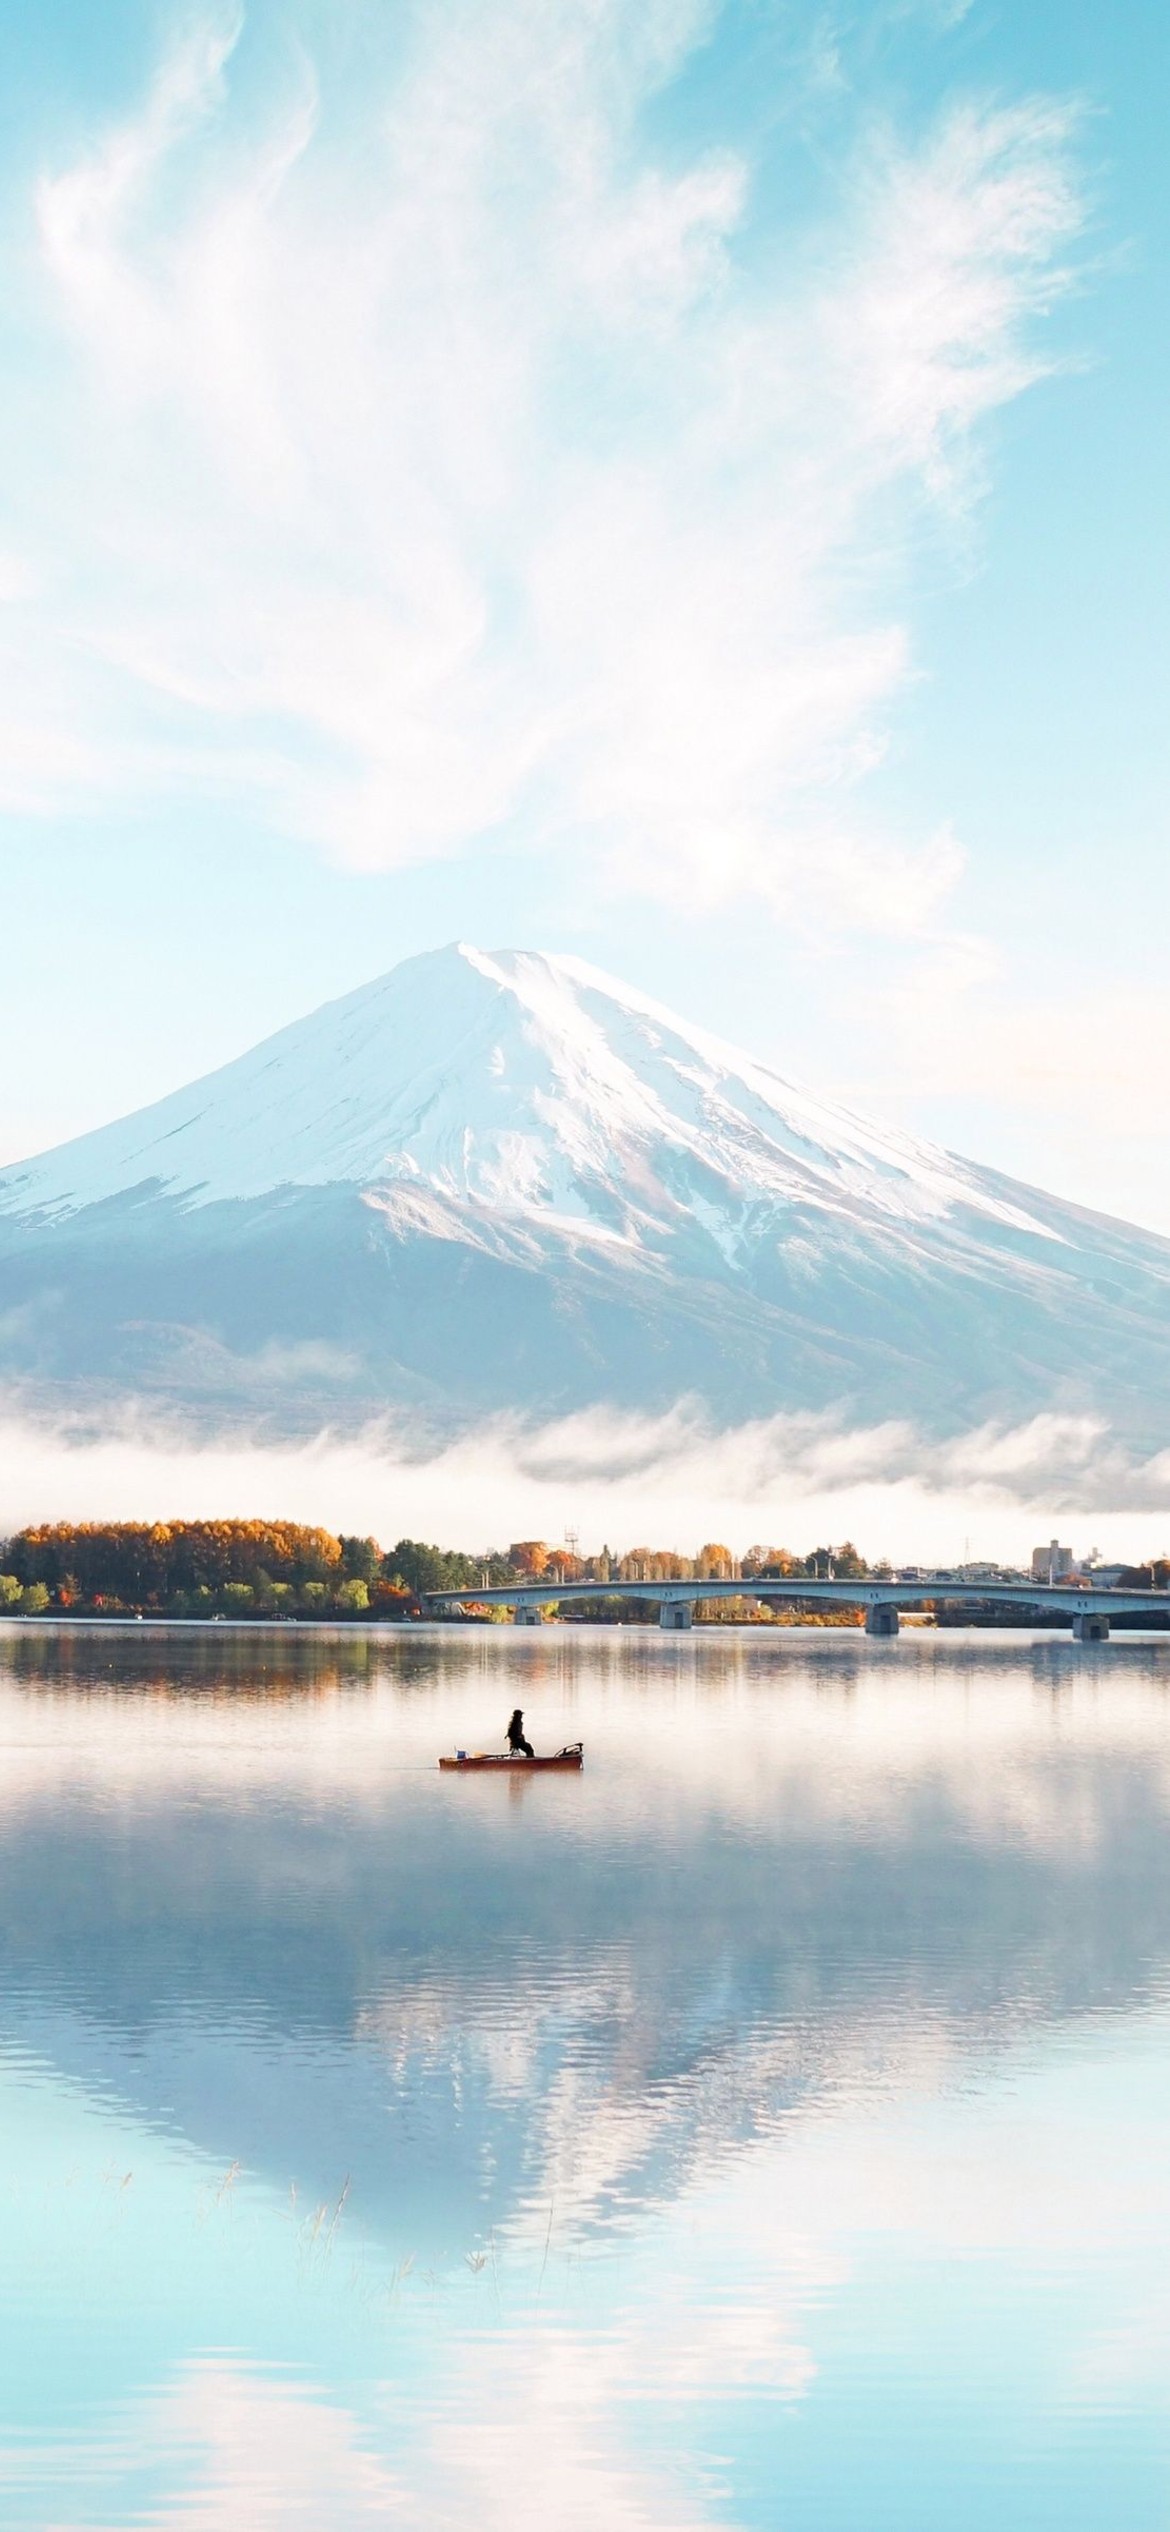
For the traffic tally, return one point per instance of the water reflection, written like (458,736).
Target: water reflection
(765,2125)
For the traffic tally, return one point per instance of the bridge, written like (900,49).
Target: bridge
(1089,1610)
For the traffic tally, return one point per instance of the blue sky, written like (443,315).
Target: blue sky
(680,484)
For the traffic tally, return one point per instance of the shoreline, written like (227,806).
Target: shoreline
(61,1622)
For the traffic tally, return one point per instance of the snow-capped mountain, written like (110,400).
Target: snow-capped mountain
(507,1182)
(533,1087)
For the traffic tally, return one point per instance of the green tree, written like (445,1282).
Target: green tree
(839,1564)
(422,1568)
(9,1590)
(33,1599)
(353,1597)
(361,1559)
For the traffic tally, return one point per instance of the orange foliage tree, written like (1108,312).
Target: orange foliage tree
(144,1564)
(529,1557)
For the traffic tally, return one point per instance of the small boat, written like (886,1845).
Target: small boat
(572,1756)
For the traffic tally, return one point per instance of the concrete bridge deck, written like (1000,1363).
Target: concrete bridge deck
(1088,1611)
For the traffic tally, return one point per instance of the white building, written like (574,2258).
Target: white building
(1053,1564)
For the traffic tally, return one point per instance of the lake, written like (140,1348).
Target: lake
(768,2127)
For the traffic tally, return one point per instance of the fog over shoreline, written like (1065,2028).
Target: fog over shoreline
(667,1481)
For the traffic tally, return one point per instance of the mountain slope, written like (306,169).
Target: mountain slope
(529,1085)
(506,1182)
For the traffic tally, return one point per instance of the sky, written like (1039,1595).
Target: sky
(674,482)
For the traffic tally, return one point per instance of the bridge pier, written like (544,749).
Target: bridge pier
(1088,1613)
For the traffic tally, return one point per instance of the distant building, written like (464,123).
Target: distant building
(1052,1564)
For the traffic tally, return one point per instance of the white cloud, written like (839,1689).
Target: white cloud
(450,460)
(960,253)
(793,1480)
(263,2453)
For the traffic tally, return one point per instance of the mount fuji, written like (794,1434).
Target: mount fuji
(504,1182)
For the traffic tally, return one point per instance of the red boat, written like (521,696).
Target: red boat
(573,1756)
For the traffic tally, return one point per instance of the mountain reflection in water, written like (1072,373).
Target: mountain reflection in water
(761,2128)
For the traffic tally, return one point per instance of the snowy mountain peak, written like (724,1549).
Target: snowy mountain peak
(527,1086)
(501,1184)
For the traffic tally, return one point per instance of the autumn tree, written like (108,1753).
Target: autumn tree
(136,1564)
(529,1558)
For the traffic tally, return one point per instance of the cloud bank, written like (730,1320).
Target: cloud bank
(785,1480)
(452,446)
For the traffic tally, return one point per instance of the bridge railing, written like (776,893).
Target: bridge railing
(1071,1600)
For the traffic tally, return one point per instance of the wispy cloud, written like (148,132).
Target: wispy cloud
(452,459)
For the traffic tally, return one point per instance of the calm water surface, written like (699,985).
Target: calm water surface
(769,2128)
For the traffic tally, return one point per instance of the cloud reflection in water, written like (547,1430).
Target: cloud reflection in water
(623,2145)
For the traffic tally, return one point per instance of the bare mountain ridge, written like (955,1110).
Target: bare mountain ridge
(507,1183)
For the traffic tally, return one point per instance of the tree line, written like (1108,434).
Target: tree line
(285,1568)
(267,1569)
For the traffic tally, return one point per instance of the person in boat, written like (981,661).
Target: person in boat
(520,1748)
